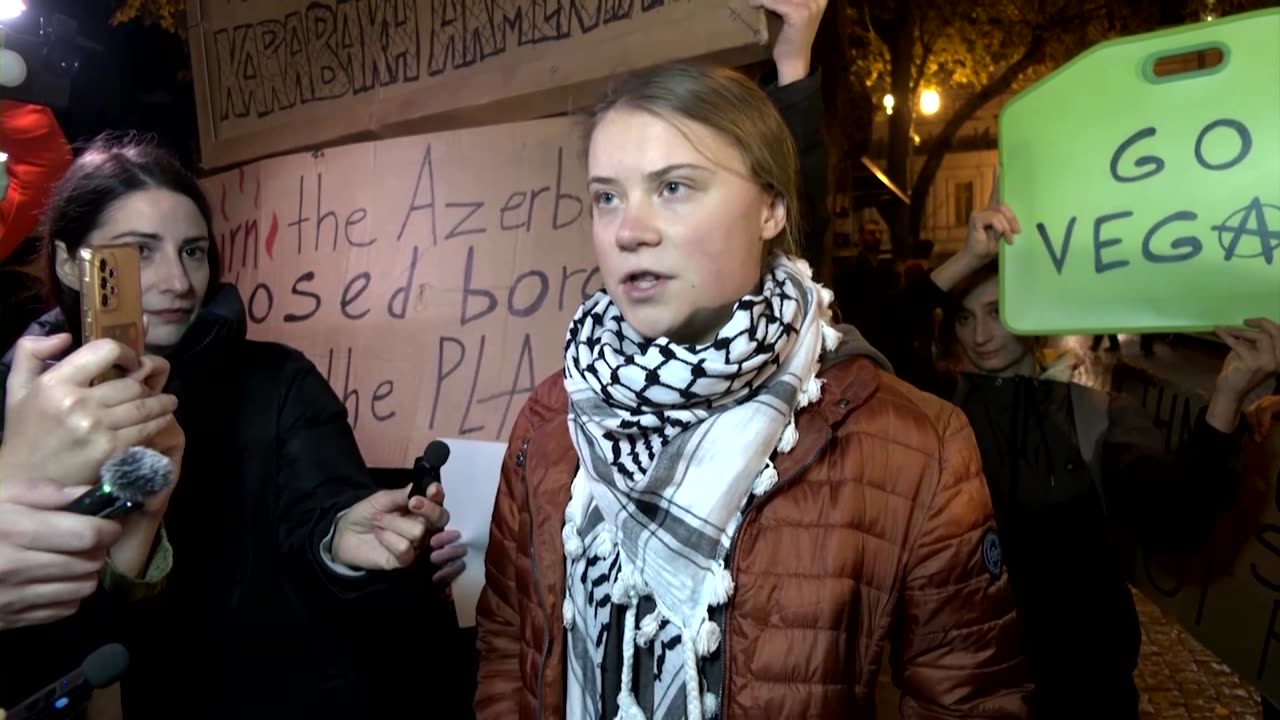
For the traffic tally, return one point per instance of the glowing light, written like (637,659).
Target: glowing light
(10,9)
(930,101)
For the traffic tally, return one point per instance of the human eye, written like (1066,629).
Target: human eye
(674,188)
(604,198)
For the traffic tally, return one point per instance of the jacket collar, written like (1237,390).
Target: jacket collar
(221,323)
(847,386)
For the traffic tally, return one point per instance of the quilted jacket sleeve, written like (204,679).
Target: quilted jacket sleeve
(958,651)
(499,686)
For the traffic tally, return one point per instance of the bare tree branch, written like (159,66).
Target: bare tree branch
(942,141)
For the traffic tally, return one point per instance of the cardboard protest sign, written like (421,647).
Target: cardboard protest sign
(1149,199)
(274,76)
(1172,410)
(1227,595)
(430,278)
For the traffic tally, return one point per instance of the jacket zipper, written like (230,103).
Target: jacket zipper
(733,543)
(521,457)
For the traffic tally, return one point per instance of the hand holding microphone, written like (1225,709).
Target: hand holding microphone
(49,559)
(61,433)
(68,696)
(386,530)
(53,543)
(446,554)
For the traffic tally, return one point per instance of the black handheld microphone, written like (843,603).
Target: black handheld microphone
(67,697)
(426,469)
(125,482)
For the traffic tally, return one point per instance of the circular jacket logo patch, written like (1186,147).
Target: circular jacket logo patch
(991,556)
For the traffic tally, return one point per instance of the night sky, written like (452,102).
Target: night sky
(139,80)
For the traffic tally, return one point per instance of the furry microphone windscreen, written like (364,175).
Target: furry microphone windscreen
(137,474)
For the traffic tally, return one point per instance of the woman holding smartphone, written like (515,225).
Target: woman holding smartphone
(276,520)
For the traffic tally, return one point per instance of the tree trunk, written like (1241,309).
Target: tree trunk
(901,41)
(941,143)
(831,54)
(850,111)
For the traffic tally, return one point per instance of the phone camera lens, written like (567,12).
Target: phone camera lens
(106,299)
(111,274)
(102,283)
(112,289)
(102,265)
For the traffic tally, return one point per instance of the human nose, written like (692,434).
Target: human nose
(170,275)
(982,330)
(637,228)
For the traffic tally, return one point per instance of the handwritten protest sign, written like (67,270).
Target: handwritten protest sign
(279,75)
(431,278)
(1172,410)
(1227,595)
(1149,199)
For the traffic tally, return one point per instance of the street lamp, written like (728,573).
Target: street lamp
(930,101)
(10,9)
(888,104)
(13,69)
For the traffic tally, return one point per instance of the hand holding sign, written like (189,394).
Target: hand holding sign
(988,225)
(792,49)
(1254,358)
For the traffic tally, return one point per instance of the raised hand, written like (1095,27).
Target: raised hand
(1255,357)
(793,47)
(989,225)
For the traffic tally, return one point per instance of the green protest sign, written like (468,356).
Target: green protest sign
(1146,177)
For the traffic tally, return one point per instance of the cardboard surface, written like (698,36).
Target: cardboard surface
(430,278)
(1227,594)
(275,76)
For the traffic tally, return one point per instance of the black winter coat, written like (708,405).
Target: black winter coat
(251,622)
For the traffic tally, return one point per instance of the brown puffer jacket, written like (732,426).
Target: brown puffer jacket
(874,534)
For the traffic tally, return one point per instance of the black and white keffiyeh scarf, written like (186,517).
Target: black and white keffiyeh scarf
(673,440)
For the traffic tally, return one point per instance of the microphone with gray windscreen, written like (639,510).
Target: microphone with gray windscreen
(125,482)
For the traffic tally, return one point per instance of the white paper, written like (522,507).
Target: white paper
(470,480)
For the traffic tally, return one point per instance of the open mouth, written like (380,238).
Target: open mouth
(643,279)
(643,284)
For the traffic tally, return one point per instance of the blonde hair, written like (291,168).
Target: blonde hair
(729,103)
